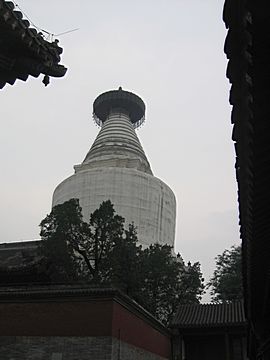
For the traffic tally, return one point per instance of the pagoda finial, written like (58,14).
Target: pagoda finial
(119,99)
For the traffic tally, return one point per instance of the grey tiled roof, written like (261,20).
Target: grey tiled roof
(24,51)
(16,254)
(209,315)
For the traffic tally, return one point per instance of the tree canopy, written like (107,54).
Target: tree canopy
(226,283)
(75,249)
(167,282)
(103,252)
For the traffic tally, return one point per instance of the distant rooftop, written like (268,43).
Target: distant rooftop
(19,245)
(209,315)
(16,254)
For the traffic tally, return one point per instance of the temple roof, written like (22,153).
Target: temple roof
(18,254)
(209,315)
(23,50)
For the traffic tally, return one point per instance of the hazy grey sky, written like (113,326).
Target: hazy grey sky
(168,52)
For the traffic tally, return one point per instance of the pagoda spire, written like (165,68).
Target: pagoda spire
(118,112)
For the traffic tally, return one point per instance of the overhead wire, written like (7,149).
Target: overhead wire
(66,32)
(31,22)
(49,36)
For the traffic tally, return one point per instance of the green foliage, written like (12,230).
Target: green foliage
(105,229)
(166,282)
(104,253)
(124,262)
(226,282)
(59,230)
(160,281)
(192,284)
(75,249)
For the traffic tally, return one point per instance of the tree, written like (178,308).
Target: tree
(124,262)
(104,253)
(59,230)
(192,284)
(105,230)
(167,282)
(75,249)
(226,282)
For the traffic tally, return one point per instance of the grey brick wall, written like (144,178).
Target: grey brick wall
(124,351)
(55,348)
(69,348)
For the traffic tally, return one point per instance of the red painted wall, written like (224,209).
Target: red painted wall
(56,318)
(136,331)
(105,317)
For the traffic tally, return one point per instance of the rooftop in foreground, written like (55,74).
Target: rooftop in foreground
(24,51)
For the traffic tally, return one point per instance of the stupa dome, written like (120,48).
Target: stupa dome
(117,168)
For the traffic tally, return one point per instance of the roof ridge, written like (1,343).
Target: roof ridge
(210,314)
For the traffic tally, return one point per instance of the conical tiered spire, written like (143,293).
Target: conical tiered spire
(117,145)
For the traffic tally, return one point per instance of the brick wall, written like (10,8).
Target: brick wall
(77,323)
(70,348)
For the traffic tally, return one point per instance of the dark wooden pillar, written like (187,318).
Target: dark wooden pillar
(227,346)
(177,351)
